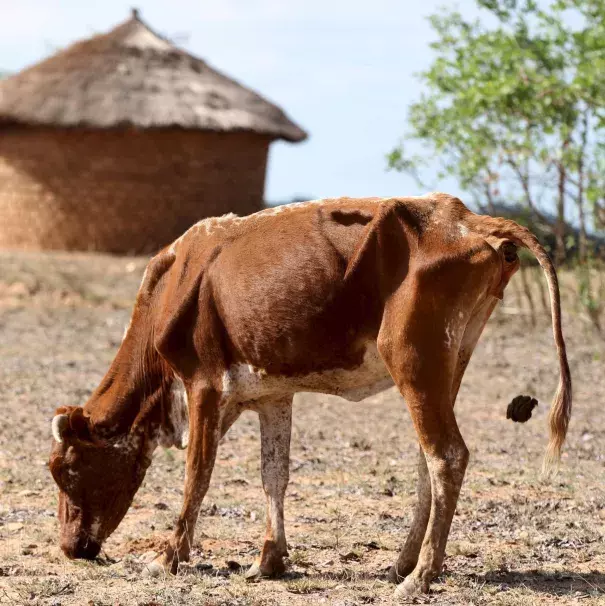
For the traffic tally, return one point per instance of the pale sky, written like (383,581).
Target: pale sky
(342,69)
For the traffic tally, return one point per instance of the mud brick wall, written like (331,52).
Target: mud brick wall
(122,191)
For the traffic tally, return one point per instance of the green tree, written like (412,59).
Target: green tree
(515,111)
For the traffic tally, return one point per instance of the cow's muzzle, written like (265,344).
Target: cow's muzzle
(83,549)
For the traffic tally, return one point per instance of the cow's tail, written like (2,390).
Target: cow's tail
(560,412)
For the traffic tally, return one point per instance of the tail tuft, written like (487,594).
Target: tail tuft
(558,421)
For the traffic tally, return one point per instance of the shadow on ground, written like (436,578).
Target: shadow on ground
(563,582)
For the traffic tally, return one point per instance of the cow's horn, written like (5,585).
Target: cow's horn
(58,426)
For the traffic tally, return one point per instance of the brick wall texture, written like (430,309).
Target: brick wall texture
(122,191)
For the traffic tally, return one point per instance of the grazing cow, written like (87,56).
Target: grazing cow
(343,297)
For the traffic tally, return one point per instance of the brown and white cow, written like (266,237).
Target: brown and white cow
(344,297)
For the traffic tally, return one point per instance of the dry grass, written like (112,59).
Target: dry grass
(516,539)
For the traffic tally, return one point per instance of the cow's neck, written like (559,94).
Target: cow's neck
(135,392)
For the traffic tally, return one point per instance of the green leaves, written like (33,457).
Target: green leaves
(515,111)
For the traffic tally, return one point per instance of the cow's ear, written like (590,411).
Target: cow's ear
(70,421)
(80,424)
(59,426)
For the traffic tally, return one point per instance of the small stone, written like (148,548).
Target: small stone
(161,506)
(351,556)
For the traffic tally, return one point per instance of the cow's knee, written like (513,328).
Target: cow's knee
(450,461)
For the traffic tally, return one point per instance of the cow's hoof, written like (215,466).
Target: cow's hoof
(399,572)
(155,569)
(265,570)
(410,587)
(160,566)
(253,573)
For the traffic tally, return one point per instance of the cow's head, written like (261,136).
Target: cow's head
(97,480)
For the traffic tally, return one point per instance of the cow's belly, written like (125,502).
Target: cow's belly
(242,382)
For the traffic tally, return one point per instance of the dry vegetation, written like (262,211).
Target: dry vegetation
(516,539)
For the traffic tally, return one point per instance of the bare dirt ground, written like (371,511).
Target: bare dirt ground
(516,539)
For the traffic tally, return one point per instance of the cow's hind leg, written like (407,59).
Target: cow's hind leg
(275,429)
(408,557)
(447,457)
(423,328)
(204,434)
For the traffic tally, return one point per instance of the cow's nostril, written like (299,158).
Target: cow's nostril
(91,550)
(84,549)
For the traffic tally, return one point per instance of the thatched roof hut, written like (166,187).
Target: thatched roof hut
(121,141)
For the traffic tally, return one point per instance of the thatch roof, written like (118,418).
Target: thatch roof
(131,76)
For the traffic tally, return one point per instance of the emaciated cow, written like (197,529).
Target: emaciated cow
(345,297)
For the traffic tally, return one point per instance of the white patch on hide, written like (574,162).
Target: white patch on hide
(178,417)
(463,229)
(243,382)
(277,210)
(211,224)
(276,427)
(127,442)
(94,529)
(448,337)
(429,194)
(453,332)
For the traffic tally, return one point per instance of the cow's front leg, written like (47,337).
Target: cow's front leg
(275,429)
(204,435)
(408,556)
